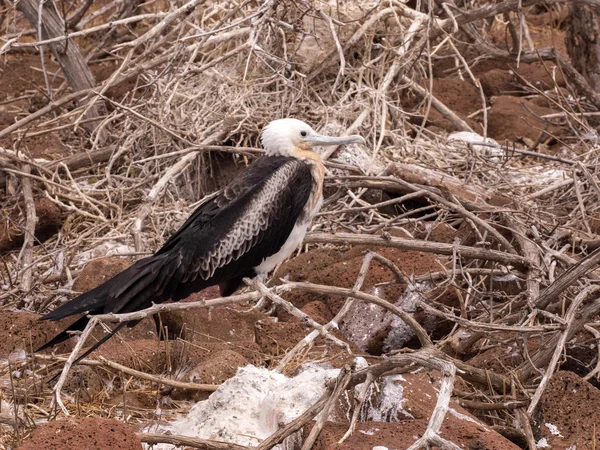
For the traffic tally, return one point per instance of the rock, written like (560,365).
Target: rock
(173,357)
(275,338)
(218,368)
(84,382)
(24,330)
(505,356)
(410,401)
(218,324)
(50,219)
(513,118)
(83,433)
(498,82)
(366,325)
(99,271)
(146,355)
(318,311)
(462,97)
(568,413)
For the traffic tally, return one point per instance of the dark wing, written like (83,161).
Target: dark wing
(226,238)
(249,178)
(223,239)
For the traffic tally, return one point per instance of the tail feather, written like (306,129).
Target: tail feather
(92,348)
(78,325)
(101,341)
(130,290)
(89,301)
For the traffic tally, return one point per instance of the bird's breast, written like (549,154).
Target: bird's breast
(312,207)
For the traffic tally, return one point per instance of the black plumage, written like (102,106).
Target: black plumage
(221,243)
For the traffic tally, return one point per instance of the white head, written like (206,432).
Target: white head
(281,137)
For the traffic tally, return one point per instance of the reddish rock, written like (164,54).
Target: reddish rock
(512,118)
(318,311)
(462,97)
(50,219)
(83,433)
(98,271)
(219,324)
(341,267)
(84,382)
(568,413)
(436,232)
(153,356)
(219,367)
(505,356)
(366,325)
(498,82)
(24,330)
(409,420)
(275,338)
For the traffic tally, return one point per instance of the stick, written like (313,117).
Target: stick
(345,292)
(26,256)
(549,371)
(417,245)
(57,400)
(187,441)
(304,318)
(543,356)
(103,362)
(341,384)
(575,272)
(69,56)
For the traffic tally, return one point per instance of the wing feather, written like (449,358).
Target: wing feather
(224,238)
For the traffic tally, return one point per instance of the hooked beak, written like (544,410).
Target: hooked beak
(318,139)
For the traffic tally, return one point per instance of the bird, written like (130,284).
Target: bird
(244,231)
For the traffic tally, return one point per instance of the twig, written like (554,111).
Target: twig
(344,292)
(333,323)
(341,384)
(56,391)
(575,272)
(417,245)
(26,255)
(446,112)
(362,396)
(298,422)
(187,441)
(569,318)
(304,318)
(543,356)
(158,28)
(103,362)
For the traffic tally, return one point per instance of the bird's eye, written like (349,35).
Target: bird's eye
(303,133)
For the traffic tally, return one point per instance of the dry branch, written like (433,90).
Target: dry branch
(417,245)
(68,54)
(26,255)
(181,440)
(103,362)
(575,272)
(543,356)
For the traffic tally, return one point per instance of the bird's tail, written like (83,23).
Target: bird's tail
(65,334)
(135,288)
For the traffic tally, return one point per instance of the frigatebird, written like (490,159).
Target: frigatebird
(251,226)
